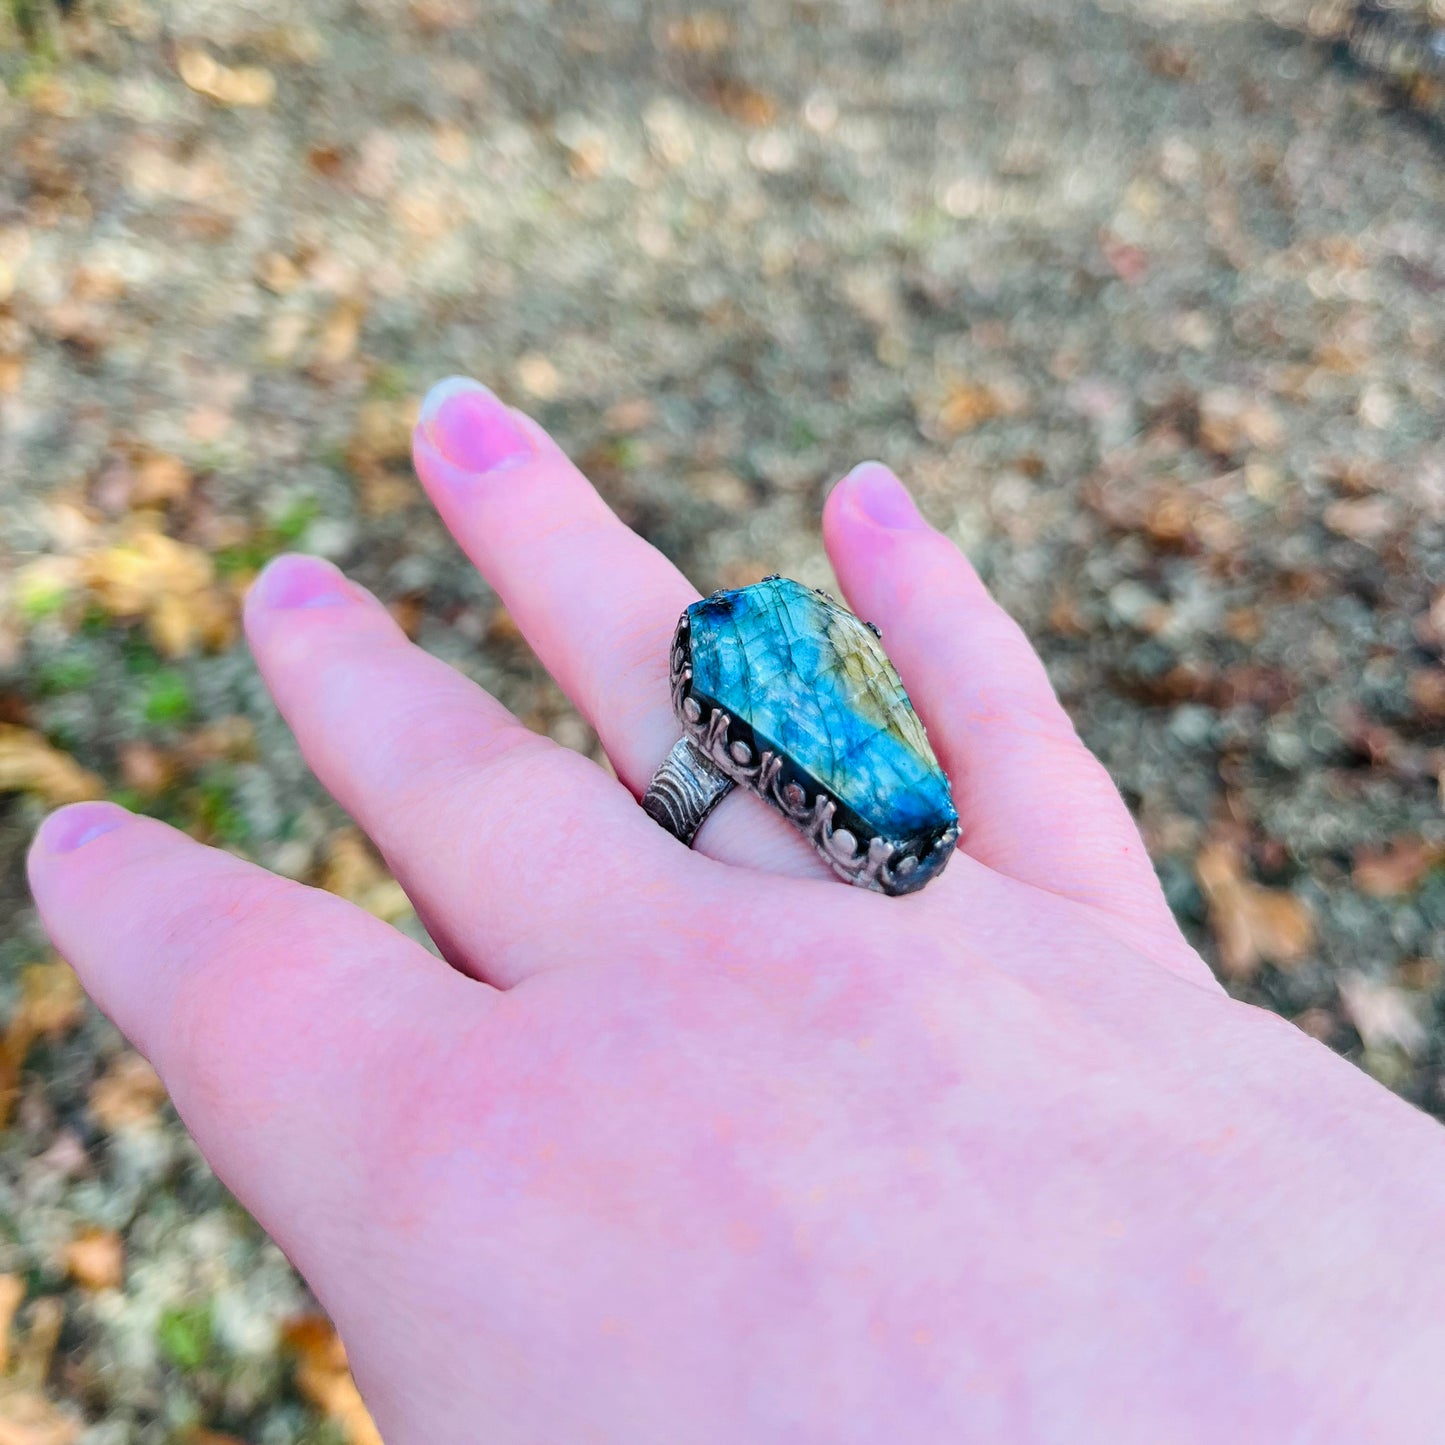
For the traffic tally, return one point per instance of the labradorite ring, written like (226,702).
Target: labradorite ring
(784,692)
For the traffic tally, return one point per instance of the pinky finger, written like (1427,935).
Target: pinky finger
(1034,803)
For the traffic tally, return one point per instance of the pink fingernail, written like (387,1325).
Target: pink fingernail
(74,827)
(471,428)
(884,499)
(295,581)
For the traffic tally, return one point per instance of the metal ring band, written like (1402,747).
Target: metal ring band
(684,790)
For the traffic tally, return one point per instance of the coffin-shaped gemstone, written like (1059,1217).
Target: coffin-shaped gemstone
(814,683)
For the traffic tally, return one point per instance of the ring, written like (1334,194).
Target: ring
(781,690)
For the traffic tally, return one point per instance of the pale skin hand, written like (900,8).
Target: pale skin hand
(679,1149)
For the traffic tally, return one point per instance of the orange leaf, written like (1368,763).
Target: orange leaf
(51,1004)
(28,1418)
(1252,924)
(324,1378)
(129,1094)
(28,764)
(243,85)
(12,1296)
(159,479)
(95,1259)
(353,871)
(966,406)
(1400,868)
(170,584)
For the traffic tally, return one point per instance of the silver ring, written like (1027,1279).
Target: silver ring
(781,690)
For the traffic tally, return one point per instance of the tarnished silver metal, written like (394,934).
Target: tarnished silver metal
(716,752)
(684,790)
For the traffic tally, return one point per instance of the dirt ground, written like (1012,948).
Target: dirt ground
(1146,300)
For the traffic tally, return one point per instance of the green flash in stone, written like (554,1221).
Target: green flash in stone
(802,678)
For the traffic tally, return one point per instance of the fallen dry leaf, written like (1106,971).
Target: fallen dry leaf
(227,739)
(383,432)
(51,1004)
(353,871)
(29,764)
(245,85)
(160,479)
(379,454)
(278,273)
(1427,691)
(340,334)
(703,33)
(1420,974)
(1251,924)
(169,584)
(1363,519)
(538,376)
(95,1259)
(128,578)
(145,768)
(1230,424)
(1383,1015)
(1400,868)
(1437,614)
(28,1418)
(423,212)
(1318,1023)
(965,406)
(441,15)
(12,1296)
(32,1355)
(739,101)
(52,1001)
(636,412)
(502,630)
(128,1095)
(324,1378)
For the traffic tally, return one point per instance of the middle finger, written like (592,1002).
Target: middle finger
(597,604)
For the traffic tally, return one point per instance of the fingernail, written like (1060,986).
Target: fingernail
(471,428)
(80,824)
(884,499)
(295,581)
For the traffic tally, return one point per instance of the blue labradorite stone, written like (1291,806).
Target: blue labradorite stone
(814,684)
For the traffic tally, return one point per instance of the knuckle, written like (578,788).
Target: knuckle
(440,748)
(216,951)
(223,913)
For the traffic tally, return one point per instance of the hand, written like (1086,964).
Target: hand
(704,1146)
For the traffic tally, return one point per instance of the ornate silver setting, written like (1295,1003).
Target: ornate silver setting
(729,749)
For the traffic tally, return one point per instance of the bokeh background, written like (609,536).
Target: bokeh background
(1146,300)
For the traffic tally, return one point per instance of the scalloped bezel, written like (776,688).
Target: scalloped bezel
(853,850)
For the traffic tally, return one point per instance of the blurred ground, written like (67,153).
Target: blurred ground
(1145,299)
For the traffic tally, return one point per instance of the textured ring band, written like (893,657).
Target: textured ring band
(684,790)
(782,691)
